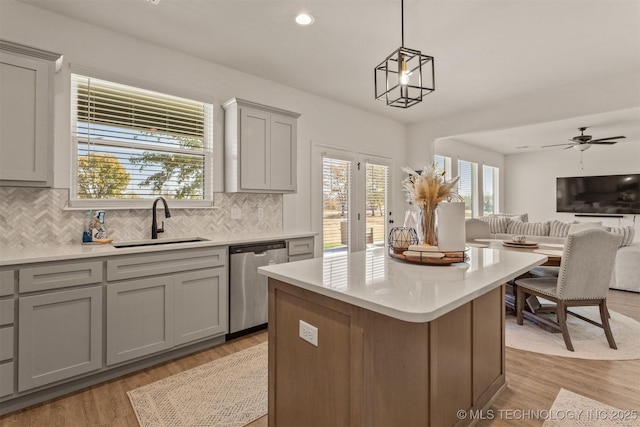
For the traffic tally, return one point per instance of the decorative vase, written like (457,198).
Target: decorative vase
(451,230)
(428,224)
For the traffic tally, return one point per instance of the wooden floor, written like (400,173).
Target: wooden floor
(533,381)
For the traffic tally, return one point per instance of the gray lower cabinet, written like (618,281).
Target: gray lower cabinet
(158,301)
(7,315)
(59,336)
(139,318)
(201,305)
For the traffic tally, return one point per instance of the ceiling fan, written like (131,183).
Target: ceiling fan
(583,142)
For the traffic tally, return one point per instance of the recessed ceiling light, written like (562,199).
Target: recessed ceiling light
(523,146)
(304,19)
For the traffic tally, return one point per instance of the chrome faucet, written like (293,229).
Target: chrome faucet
(154,222)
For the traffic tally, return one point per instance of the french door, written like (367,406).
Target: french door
(355,200)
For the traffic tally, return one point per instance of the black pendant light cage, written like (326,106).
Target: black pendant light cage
(419,70)
(405,76)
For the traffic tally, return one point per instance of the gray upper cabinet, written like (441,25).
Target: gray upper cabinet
(26,115)
(260,148)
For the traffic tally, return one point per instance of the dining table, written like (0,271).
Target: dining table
(553,251)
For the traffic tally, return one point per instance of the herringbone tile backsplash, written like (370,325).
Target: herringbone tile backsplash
(32,216)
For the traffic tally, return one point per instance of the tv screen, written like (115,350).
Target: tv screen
(608,194)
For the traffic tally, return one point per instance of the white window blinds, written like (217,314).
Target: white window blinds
(466,185)
(490,190)
(133,143)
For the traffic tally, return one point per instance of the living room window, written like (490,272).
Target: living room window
(489,190)
(444,163)
(131,145)
(468,171)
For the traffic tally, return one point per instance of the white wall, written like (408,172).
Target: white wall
(100,49)
(531,184)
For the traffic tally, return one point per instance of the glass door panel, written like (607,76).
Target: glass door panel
(376,205)
(336,198)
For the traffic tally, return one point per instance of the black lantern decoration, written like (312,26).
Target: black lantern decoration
(400,238)
(405,76)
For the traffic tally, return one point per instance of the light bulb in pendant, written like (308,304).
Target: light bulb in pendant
(404,76)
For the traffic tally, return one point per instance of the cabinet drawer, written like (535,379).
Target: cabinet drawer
(6,311)
(301,246)
(6,379)
(56,276)
(6,283)
(6,343)
(130,267)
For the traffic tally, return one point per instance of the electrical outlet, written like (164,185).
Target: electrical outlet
(308,333)
(236,213)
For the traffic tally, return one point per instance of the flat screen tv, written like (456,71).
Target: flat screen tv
(608,194)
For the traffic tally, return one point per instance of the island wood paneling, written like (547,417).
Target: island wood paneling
(488,355)
(386,371)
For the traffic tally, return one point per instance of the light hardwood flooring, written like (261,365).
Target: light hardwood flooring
(533,381)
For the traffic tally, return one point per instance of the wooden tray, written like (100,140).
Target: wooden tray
(528,245)
(450,258)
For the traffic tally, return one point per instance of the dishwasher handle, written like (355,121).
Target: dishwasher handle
(257,248)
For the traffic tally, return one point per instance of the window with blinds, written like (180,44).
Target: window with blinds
(336,195)
(466,185)
(489,190)
(132,144)
(443,163)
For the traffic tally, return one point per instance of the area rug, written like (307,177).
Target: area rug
(230,391)
(589,341)
(575,410)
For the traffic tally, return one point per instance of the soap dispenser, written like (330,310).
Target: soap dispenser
(88,225)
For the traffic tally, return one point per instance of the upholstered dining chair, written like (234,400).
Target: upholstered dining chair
(583,280)
(476,229)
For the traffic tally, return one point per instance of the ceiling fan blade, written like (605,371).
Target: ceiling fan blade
(599,141)
(556,145)
(606,139)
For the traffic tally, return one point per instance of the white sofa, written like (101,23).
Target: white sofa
(626,272)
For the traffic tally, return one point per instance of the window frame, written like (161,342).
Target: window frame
(213,155)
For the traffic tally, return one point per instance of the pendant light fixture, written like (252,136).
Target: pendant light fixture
(405,76)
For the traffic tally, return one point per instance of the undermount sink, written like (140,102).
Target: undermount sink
(154,242)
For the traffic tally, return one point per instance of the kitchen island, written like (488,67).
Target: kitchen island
(395,343)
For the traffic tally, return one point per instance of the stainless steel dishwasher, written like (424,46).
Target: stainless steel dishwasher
(248,289)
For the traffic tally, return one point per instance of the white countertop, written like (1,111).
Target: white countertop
(411,292)
(25,255)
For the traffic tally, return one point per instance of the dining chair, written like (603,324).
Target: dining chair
(476,229)
(583,280)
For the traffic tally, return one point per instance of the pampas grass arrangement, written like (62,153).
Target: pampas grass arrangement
(425,190)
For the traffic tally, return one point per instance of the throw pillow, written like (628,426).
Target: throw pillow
(528,228)
(559,228)
(497,224)
(581,226)
(627,234)
(520,217)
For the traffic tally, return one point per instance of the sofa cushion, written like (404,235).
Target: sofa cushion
(498,224)
(528,228)
(559,228)
(520,217)
(627,234)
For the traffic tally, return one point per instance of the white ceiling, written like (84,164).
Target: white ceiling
(485,50)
